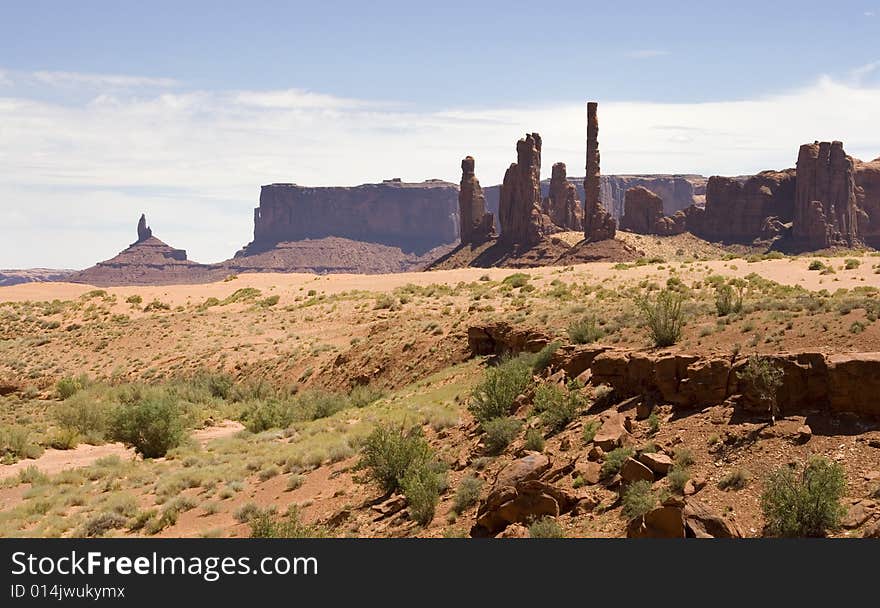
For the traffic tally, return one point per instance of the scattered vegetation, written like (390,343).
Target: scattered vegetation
(805,503)
(664,316)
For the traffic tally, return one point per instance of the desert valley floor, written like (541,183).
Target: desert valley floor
(283,376)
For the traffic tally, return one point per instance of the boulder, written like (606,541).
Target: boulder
(632,470)
(612,433)
(531,466)
(666,521)
(702,522)
(522,503)
(658,462)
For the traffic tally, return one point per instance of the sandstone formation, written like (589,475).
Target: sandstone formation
(737,208)
(825,212)
(519,206)
(32,275)
(147,261)
(476,225)
(562,204)
(810,380)
(643,214)
(414,217)
(867,178)
(677,518)
(598,223)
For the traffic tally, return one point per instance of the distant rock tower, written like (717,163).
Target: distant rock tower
(562,204)
(476,225)
(519,205)
(598,223)
(144,231)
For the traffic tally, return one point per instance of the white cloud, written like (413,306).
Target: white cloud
(862,72)
(74,177)
(100,80)
(646,53)
(870,13)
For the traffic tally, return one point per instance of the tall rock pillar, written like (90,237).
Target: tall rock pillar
(476,225)
(598,223)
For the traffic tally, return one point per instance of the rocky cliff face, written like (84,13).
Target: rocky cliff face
(867,178)
(519,205)
(737,209)
(476,225)
(414,217)
(598,222)
(643,214)
(562,204)
(825,211)
(33,275)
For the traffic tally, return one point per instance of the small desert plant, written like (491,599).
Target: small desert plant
(546,527)
(422,485)
(517,279)
(388,453)
(584,330)
(735,480)
(499,432)
(816,265)
(152,425)
(591,427)
(363,395)
(557,405)
(68,386)
(638,499)
(534,440)
(653,423)
(265,523)
(727,300)
(763,377)
(664,316)
(15,443)
(677,477)
(502,384)
(84,414)
(467,494)
(805,503)
(542,358)
(100,524)
(614,460)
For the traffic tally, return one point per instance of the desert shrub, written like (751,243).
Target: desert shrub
(244,294)
(265,523)
(805,503)
(653,423)
(683,457)
(32,475)
(584,330)
(517,279)
(664,316)
(816,265)
(591,427)
(253,390)
(259,416)
(152,425)
(270,301)
(494,396)
(156,305)
(134,300)
(638,499)
(63,439)
(295,481)
(363,395)
(67,387)
(389,452)
(763,377)
(467,494)
(534,440)
(85,413)
(316,404)
(851,264)
(677,477)
(542,358)
(735,480)
(422,485)
(15,444)
(499,432)
(614,460)
(727,300)
(558,406)
(215,384)
(246,512)
(100,524)
(546,527)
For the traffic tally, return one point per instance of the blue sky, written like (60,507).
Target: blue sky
(110,109)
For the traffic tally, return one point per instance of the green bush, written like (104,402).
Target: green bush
(84,413)
(388,453)
(244,294)
(653,423)
(735,480)
(546,527)
(614,460)
(558,406)
(517,279)
(816,265)
(100,524)
(467,494)
(764,379)
(677,477)
(664,316)
(638,498)
(501,385)
(265,523)
(534,440)
(152,425)
(542,358)
(363,395)
(591,427)
(585,330)
(805,503)
(422,485)
(260,416)
(727,300)
(67,387)
(500,432)
(15,444)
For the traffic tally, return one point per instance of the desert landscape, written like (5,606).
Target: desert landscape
(663,356)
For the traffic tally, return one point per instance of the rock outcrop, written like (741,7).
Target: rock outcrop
(519,205)
(147,261)
(737,209)
(32,275)
(598,223)
(476,225)
(643,214)
(562,204)
(825,211)
(867,177)
(414,217)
